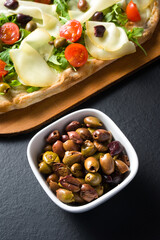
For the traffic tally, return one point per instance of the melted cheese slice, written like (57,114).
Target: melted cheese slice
(39,40)
(101,54)
(30,60)
(113,39)
(44,15)
(94,6)
(142,4)
(31,68)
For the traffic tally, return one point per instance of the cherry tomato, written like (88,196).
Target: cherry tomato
(2,66)
(43,1)
(9,33)
(132,12)
(76,54)
(72,30)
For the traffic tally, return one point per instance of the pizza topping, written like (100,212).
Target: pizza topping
(43,1)
(23,19)
(4,87)
(11,4)
(101,54)
(3,72)
(9,33)
(97,16)
(72,30)
(31,68)
(82,5)
(142,4)
(113,38)
(50,46)
(76,54)
(31,26)
(132,12)
(59,42)
(94,6)
(99,30)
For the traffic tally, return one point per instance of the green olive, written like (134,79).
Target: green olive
(84,133)
(31,26)
(77,170)
(70,145)
(44,168)
(4,87)
(65,196)
(94,179)
(107,163)
(53,177)
(98,155)
(53,186)
(59,42)
(122,167)
(48,148)
(100,190)
(72,157)
(91,130)
(91,164)
(92,122)
(101,146)
(88,148)
(50,157)
(78,198)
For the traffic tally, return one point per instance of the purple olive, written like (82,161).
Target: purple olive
(115,148)
(99,30)
(11,4)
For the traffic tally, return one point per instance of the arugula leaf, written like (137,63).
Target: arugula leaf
(10,75)
(15,83)
(4,19)
(115,14)
(62,10)
(58,60)
(32,89)
(53,59)
(133,36)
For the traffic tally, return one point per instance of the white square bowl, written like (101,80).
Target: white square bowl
(38,142)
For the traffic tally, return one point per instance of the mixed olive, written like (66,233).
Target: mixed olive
(84,162)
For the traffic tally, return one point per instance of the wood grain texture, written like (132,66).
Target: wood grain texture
(18,121)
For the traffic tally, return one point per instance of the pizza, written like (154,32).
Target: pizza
(47,46)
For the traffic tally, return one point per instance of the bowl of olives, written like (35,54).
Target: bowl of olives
(82,160)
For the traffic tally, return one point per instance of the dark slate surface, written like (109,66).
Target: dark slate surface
(26,212)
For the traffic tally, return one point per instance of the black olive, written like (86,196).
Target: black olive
(99,30)
(97,16)
(11,4)
(23,19)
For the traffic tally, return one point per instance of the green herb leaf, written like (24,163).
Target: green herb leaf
(53,59)
(115,14)
(133,36)
(58,60)
(32,89)
(62,10)
(15,83)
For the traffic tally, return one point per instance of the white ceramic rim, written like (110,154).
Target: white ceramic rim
(118,135)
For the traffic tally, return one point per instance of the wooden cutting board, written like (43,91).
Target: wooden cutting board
(32,117)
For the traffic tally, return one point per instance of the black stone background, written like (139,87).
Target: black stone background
(26,212)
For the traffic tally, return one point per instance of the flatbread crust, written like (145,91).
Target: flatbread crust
(17,99)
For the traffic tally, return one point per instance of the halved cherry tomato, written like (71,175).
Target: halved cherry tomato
(43,1)
(72,30)
(132,12)
(2,66)
(9,33)
(76,54)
